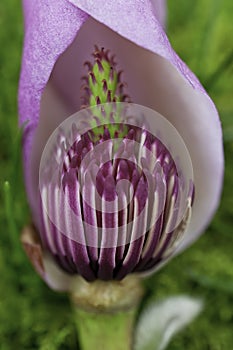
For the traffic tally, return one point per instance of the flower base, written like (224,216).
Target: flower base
(105,313)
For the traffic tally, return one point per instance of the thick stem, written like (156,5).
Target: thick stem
(105,313)
(102,331)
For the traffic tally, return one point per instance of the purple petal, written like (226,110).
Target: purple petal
(160,8)
(44,42)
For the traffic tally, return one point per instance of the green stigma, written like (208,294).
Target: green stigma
(103,85)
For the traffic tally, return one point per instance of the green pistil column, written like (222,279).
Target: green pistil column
(103,81)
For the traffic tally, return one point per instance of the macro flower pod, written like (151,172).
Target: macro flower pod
(59,35)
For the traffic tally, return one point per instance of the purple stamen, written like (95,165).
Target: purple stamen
(124,229)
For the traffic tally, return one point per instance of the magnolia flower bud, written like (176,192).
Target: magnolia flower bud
(157,78)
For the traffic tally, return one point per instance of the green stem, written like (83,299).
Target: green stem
(105,312)
(102,331)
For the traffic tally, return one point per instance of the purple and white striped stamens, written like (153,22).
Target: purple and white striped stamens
(116,198)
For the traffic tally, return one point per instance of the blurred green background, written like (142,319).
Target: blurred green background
(32,316)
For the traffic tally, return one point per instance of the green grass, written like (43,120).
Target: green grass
(32,316)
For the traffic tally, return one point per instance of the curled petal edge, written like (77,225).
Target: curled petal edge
(43,263)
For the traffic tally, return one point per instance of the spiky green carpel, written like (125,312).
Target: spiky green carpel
(103,85)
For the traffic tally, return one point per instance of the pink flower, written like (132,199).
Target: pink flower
(59,36)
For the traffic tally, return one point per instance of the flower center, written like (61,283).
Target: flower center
(115,196)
